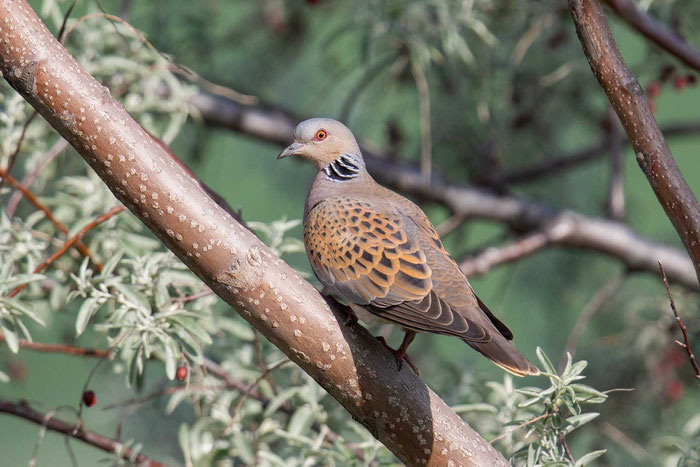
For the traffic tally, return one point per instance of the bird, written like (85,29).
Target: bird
(378,252)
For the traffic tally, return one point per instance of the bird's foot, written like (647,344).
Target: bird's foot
(399,354)
(351,316)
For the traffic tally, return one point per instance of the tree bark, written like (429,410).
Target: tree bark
(396,406)
(627,98)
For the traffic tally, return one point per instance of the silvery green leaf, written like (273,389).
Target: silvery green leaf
(590,457)
(238,329)
(183,439)
(546,362)
(8,329)
(111,263)
(572,423)
(175,400)
(588,394)
(193,327)
(19,279)
(279,400)
(134,297)
(578,367)
(476,407)
(244,449)
(301,421)
(22,309)
(86,312)
(189,345)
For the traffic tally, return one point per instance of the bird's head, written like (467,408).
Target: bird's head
(322,141)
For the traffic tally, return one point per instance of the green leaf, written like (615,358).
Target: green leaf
(8,330)
(19,279)
(111,263)
(193,327)
(189,345)
(183,439)
(572,423)
(301,421)
(588,394)
(21,308)
(134,297)
(588,458)
(546,362)
(279,400)
(86,312)
(175,400)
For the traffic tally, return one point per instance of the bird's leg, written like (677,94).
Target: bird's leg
(352,317)
(400,353)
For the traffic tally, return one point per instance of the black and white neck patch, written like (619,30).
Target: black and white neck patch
(346,167)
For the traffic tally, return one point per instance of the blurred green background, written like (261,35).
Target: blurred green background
(307,57)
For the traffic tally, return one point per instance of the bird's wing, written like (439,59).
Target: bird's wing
(372,258)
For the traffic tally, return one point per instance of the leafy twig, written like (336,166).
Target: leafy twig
(70,242)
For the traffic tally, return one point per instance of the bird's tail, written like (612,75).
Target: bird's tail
(504,354)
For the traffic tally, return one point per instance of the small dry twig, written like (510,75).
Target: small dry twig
(685,344)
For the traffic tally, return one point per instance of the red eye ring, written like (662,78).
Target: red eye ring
(320,135)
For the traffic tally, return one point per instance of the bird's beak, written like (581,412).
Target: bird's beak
(291,150)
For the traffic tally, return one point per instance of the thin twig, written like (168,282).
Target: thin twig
(685,344)
(49,215)
(590,309)
(13,157)
(58,147)
(21,409)
(61,348)
(70,242)
(426,156)
(562,440)
(524,424)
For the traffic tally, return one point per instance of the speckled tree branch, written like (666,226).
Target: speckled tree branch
(397,407)
(627,98)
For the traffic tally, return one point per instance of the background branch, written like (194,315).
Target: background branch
(352,366)
(21,409)
(656,32)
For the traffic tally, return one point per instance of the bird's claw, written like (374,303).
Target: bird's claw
(398,355)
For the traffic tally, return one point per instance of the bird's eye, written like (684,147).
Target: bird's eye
(320,135)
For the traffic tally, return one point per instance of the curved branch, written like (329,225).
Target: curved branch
(21,409)
(352,366)
(627,98)
(656,32)
(609,237)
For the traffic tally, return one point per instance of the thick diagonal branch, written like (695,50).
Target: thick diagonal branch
(609,237)
(397,407)
(627,98)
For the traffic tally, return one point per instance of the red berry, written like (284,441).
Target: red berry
(680,82)
(666,72)
(674,390)
(653,89)
(181,373)
(89,398)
